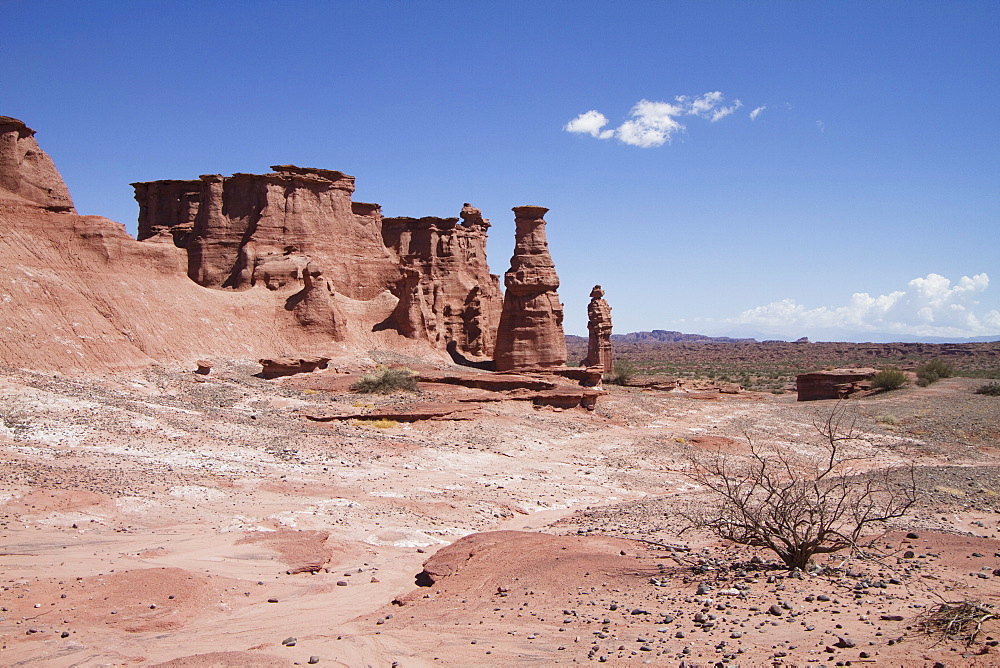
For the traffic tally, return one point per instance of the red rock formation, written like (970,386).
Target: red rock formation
(248,230)
(530,334)
(315,307)
(447,293)
(26,172)
(832,384)
(287,366)
(599,324)
(78,294)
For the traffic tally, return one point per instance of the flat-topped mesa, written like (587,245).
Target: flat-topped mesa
(297,231)
(247,229)
(27,172)
(447,294)
(599,325)
(530,333)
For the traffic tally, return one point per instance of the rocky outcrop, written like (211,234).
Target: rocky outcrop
(315,307)
(248,266)
(264,229)
(27,172)
(530,333)
(599,324)
(288,366)
(296,230)
(447,293)
(832,384)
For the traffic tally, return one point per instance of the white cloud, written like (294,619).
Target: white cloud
(757,112)
(708,106)
(654,123)
(590,123)
(929,306)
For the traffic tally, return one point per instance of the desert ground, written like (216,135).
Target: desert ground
(170,518)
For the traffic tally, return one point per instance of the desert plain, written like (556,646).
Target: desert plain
(171,518)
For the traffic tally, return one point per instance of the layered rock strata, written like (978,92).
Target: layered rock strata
(297,230)
(599,325)
(530,333)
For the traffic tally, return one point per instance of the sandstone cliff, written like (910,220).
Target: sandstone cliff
(251,230)
(282,264)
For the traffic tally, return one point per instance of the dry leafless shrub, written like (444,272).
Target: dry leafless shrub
(799,506)
(961,620)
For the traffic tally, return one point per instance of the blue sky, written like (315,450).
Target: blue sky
(861,201)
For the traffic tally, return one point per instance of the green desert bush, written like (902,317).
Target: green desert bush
(990,389)
(386,381)
(933,371)
(889,378)
(623,373)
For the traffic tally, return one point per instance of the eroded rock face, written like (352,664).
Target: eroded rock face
(599,324)
(315,307)
(269,230)
(447,293)
(249,229)
(530,333)
(832,384)
(27,171)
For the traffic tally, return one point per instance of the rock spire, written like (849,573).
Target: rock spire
(599,324)
(530,334)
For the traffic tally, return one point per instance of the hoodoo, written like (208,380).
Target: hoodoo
(599,324)
(530,334)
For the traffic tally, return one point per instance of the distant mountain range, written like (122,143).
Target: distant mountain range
(665,336)
(670,336)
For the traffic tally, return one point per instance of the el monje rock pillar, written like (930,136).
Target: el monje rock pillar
(530,333)
(599,324)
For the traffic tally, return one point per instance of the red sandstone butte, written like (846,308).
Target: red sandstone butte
(297,232)
(530,334)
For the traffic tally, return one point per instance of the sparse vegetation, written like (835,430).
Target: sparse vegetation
(386,380)
(990,390)
(889,378)
(888,419)
(381,423)
(773,366)
(933,371)
(958,620)
(623,373)
(795,506)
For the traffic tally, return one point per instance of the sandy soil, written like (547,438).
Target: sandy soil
(169,518)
